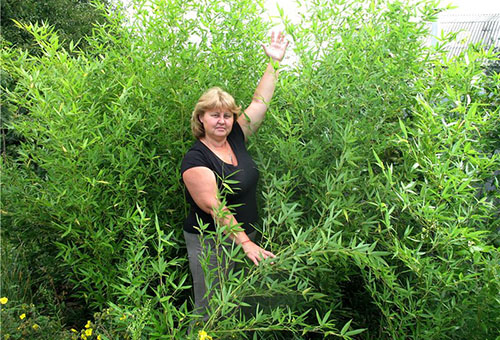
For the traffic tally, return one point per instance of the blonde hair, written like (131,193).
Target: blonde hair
(213,98)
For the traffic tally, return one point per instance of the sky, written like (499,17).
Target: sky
(475,6)
(292,12)
(464,7)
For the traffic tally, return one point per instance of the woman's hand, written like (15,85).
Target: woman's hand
(256,253)
(277,48)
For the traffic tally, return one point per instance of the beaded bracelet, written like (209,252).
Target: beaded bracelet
(245,241)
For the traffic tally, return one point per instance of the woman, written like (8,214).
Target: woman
(219,154)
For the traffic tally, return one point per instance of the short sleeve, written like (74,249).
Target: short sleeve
(237,133)
(192,159)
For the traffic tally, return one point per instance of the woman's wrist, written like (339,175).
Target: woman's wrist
(273,67)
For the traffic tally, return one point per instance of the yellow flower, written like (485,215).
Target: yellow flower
(83,337)
(88,332)
(35,326)
(22,316)
(99,337)
(202,335)
(88,324)
(74,330)
(123,317)
(4,300)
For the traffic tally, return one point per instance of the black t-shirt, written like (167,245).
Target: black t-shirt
(244,191)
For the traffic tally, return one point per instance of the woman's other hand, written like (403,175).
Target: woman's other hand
(277,48)
(256,253)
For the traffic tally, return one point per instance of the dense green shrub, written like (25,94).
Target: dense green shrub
(73,20)
(377,162)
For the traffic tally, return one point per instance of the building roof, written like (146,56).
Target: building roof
(471,29)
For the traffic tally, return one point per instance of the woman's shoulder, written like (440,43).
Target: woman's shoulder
(194,157)
(196,147)
(237,132)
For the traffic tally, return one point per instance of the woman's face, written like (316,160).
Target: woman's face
(217,123)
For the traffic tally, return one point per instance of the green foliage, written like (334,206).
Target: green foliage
(378,159)
(21,321)
(19,318)
(73,20)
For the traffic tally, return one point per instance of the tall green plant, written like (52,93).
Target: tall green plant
(377,163)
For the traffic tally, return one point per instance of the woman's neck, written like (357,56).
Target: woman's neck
(214,143)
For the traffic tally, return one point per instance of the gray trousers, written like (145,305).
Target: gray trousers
(198,249)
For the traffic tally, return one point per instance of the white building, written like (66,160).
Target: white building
(470,29)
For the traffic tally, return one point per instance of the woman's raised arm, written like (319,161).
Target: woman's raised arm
(253,116)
